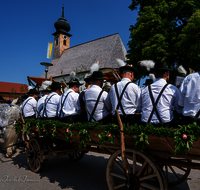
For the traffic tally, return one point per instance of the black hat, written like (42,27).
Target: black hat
(74,81)
(33,91)
(161,67)
(97,75)
(88,78)
(130,68)
(55,85)
(148,81)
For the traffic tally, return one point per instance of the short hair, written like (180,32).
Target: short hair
(127,71)
(72,85)
(159,74)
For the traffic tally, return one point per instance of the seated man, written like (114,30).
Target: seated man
(159,99)
(29,104)
(67,107)
(45,89)
(97,101)
(51,102)
(189,98)
(125,96)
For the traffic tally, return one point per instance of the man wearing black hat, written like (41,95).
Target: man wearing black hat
(45,89)
(81,103)
(126,96)
(29,105)
(159,99)
(97,101)
(67,107)
(51,102)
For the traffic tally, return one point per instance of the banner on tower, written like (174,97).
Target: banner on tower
(49,50)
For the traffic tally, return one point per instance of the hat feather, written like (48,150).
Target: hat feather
(181,69)
(94,67)
(120,63)
(46,84)
(72,75)
(149,64)
(152,76)
(30,87)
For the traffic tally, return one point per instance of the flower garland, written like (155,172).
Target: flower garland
(183,136)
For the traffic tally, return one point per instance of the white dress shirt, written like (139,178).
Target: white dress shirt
(29,108)
(0,122)
(78,102)
(40,105)
(52,105)
(168,101)
(70,104)
(190,95)
(104,105)
(131,99)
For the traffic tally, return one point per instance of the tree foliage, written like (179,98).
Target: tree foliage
(165,31)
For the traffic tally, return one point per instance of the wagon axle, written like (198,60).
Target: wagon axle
(132,182)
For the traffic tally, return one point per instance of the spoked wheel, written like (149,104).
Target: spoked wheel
(34,155)
(142,171)
(174,174)
(76,156)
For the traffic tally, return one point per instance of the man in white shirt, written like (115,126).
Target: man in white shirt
(67,107)
(45,89)
(29,105)
(189,98)
(125,96)
(164,97)
(97,101)
(51,102)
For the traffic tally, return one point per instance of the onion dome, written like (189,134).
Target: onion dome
(61,25)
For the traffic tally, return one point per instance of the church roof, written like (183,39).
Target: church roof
(81,57)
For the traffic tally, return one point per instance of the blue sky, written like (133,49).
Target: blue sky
(27,27)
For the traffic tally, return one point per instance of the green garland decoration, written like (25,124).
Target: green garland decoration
(183,136)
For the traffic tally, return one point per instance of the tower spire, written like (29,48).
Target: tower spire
(63,11)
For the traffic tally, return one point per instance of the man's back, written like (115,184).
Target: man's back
(104,105)
(167,102)
(190,95)
(131,100)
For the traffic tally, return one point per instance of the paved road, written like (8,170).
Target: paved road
(62,173)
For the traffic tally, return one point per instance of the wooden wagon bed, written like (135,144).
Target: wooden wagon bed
(126,167)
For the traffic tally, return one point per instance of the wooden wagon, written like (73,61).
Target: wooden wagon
(155,168)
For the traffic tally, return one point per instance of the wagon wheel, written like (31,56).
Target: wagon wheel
(34,155)
(174,174)
(143,170)
(76,156)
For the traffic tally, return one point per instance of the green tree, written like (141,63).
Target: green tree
(161,30)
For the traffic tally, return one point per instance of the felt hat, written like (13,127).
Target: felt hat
(161,67)
(97,75)
(55,85)
(148,81)
(33,91)
(88,78)
(74,81)
(130,68)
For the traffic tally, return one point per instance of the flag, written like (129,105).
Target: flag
(49,50)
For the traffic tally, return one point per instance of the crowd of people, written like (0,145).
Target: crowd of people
(159,103)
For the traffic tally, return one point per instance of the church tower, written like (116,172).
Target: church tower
(61,36)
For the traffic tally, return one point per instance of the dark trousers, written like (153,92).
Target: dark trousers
(70,119)
(49,118)
(186,120)
(107,119)
(130,119)
(83,116)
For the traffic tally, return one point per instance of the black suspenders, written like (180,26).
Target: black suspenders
(45,104)
(95,106)
(62,103)
(120,97)
(24,106)
(155,103)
